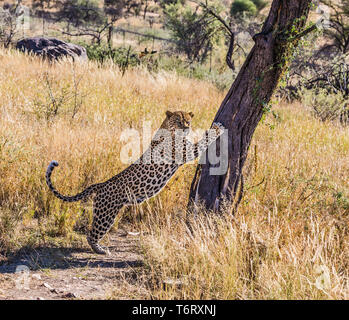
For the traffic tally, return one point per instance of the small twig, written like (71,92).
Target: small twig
(256,185)
(303,33)
(229,56)
(241,192)
(214,14)
(125,65)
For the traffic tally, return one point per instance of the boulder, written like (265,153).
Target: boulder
(51,48)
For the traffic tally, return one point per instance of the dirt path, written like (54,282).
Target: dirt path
(55,273)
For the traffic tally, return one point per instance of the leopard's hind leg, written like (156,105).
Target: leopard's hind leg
(103,219)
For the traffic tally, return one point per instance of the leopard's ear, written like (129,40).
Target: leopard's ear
(191,114)
(169,114)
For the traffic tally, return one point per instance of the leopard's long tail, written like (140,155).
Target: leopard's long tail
(82,195)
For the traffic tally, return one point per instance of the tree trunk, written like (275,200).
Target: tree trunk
(247,99)
(110,37)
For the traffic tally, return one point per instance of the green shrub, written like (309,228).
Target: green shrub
(194,32)
(247,7)
(164,3)
(122,56)
(81,12)
(239,7)
(222,80)
(325,106)
(260,4)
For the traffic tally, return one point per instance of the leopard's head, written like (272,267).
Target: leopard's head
(177,120)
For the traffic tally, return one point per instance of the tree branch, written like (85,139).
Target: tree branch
(228,58)
(304,33)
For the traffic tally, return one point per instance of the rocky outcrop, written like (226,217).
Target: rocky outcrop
(51,48)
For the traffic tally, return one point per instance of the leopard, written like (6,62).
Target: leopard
(169,149)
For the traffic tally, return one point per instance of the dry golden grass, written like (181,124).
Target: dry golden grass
(289,239)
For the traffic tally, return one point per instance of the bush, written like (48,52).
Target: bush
(164,3)
(248,7)
(260,4)
(195,32)
(327,107)
(122,56)
(80,12)
(239,7)
(221,79)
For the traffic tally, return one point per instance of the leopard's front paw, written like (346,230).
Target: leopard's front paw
(218,127)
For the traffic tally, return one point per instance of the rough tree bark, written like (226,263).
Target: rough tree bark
(244,105)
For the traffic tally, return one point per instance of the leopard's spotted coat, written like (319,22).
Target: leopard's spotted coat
(144,178)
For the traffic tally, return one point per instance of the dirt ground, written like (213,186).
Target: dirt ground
(55,273)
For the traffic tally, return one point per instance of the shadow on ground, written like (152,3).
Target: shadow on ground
(123,255)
